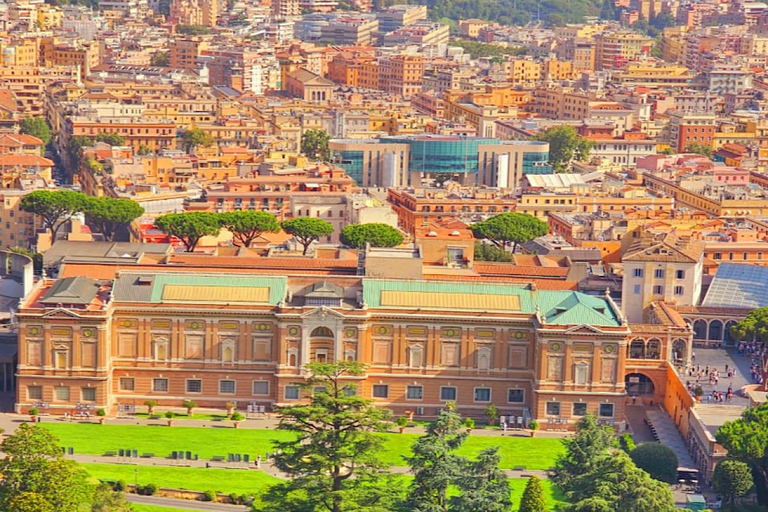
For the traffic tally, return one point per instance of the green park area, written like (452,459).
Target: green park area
(238,481)
(533,453)
(150,508)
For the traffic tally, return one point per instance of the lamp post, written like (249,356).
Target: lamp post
(136,477)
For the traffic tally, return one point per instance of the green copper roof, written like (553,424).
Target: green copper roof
(556,307)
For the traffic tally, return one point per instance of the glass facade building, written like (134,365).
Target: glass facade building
(442,154)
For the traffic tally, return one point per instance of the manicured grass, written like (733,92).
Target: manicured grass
(149,508)
(534,453)
(227,481)
(183,416)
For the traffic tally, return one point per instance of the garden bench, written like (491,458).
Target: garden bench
(110,454)
(147,455)
(519,468)
(217,458)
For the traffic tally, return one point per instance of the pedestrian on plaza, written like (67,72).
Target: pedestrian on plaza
(693,357)
(258,461)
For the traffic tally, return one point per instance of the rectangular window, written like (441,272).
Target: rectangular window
(515,396)
(553,408)
(227,386)
(160,385)
(35,392)
(658,273)
(717,256)
(448,393)
(680,274)
(637,289)
(127,384)
(606,410)
(414,393)
(194,386)
(89,394)
(638,272)
(679,290)
(260,387)
(658,289)
(482,394)
(380,391)
(61,393)
(291,392)
(580,409)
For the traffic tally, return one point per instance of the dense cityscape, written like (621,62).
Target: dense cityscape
(369,256)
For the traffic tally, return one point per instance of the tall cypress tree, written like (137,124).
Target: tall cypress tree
(533,497)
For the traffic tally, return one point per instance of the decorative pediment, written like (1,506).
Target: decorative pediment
(322,313)
(61,313)
(584,329)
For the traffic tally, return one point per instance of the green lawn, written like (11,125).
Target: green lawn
(534,453)
(239,481)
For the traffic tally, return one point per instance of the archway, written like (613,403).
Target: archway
(715,330)
(321,341)
(679,351)
(637,349)
(700,330)
(638,384)
(653,351)
(729,339)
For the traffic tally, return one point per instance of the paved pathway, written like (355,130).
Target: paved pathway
(160,501)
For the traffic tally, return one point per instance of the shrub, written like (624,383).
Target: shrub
(101,412)
(209,496)
(657,460)
(170,415)
(234,499)
(33,411)
(119,486)
(243,499)
(492,413)
(237,416)
(147,490)
(469,423)
(402,422)
(534,425)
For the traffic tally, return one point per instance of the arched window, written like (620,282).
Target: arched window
(637,349)
(349,355)
(322,332)
(292,357)
(700,330)
(729,339)
(227,355)
(715,330)
(653,350)
(161,350)
(484,358)
(679,350)
(415,356)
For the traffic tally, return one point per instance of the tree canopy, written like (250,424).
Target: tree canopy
(731,479)
(160,59)
(699,149)
(37,127)
(565,146)
(510,228)
(111,138)
(754,327)
(510,12)
(583,450)
(657,460)
(378,235)
(488,252)
(189,227)
(108,214)
(193,30)
(307,230)
(35,475)
(334,461)
(314,144)
(248,225)
(195,137)
(478,49)
(54,207)
(746,440)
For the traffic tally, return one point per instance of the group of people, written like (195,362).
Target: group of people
(757,352)
(713,375)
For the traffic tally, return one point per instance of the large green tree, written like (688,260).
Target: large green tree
(434,462)
(193,138)
(615,484)
(376,234)
(107,500)
(731,479)
(248,225)
(754,327)
(75,151)
(37,127)
(189,227)
(108,214)
(582,451)
(533,499)
(699,149)
(483,487)
(307,230)
(160,59)
(314,144)
(111,138)
(36,477)
(333,463)
(54,207)
(746,439)
(657,460)
(565,146)
(510,228)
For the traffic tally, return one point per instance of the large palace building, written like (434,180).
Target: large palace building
(170,333)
